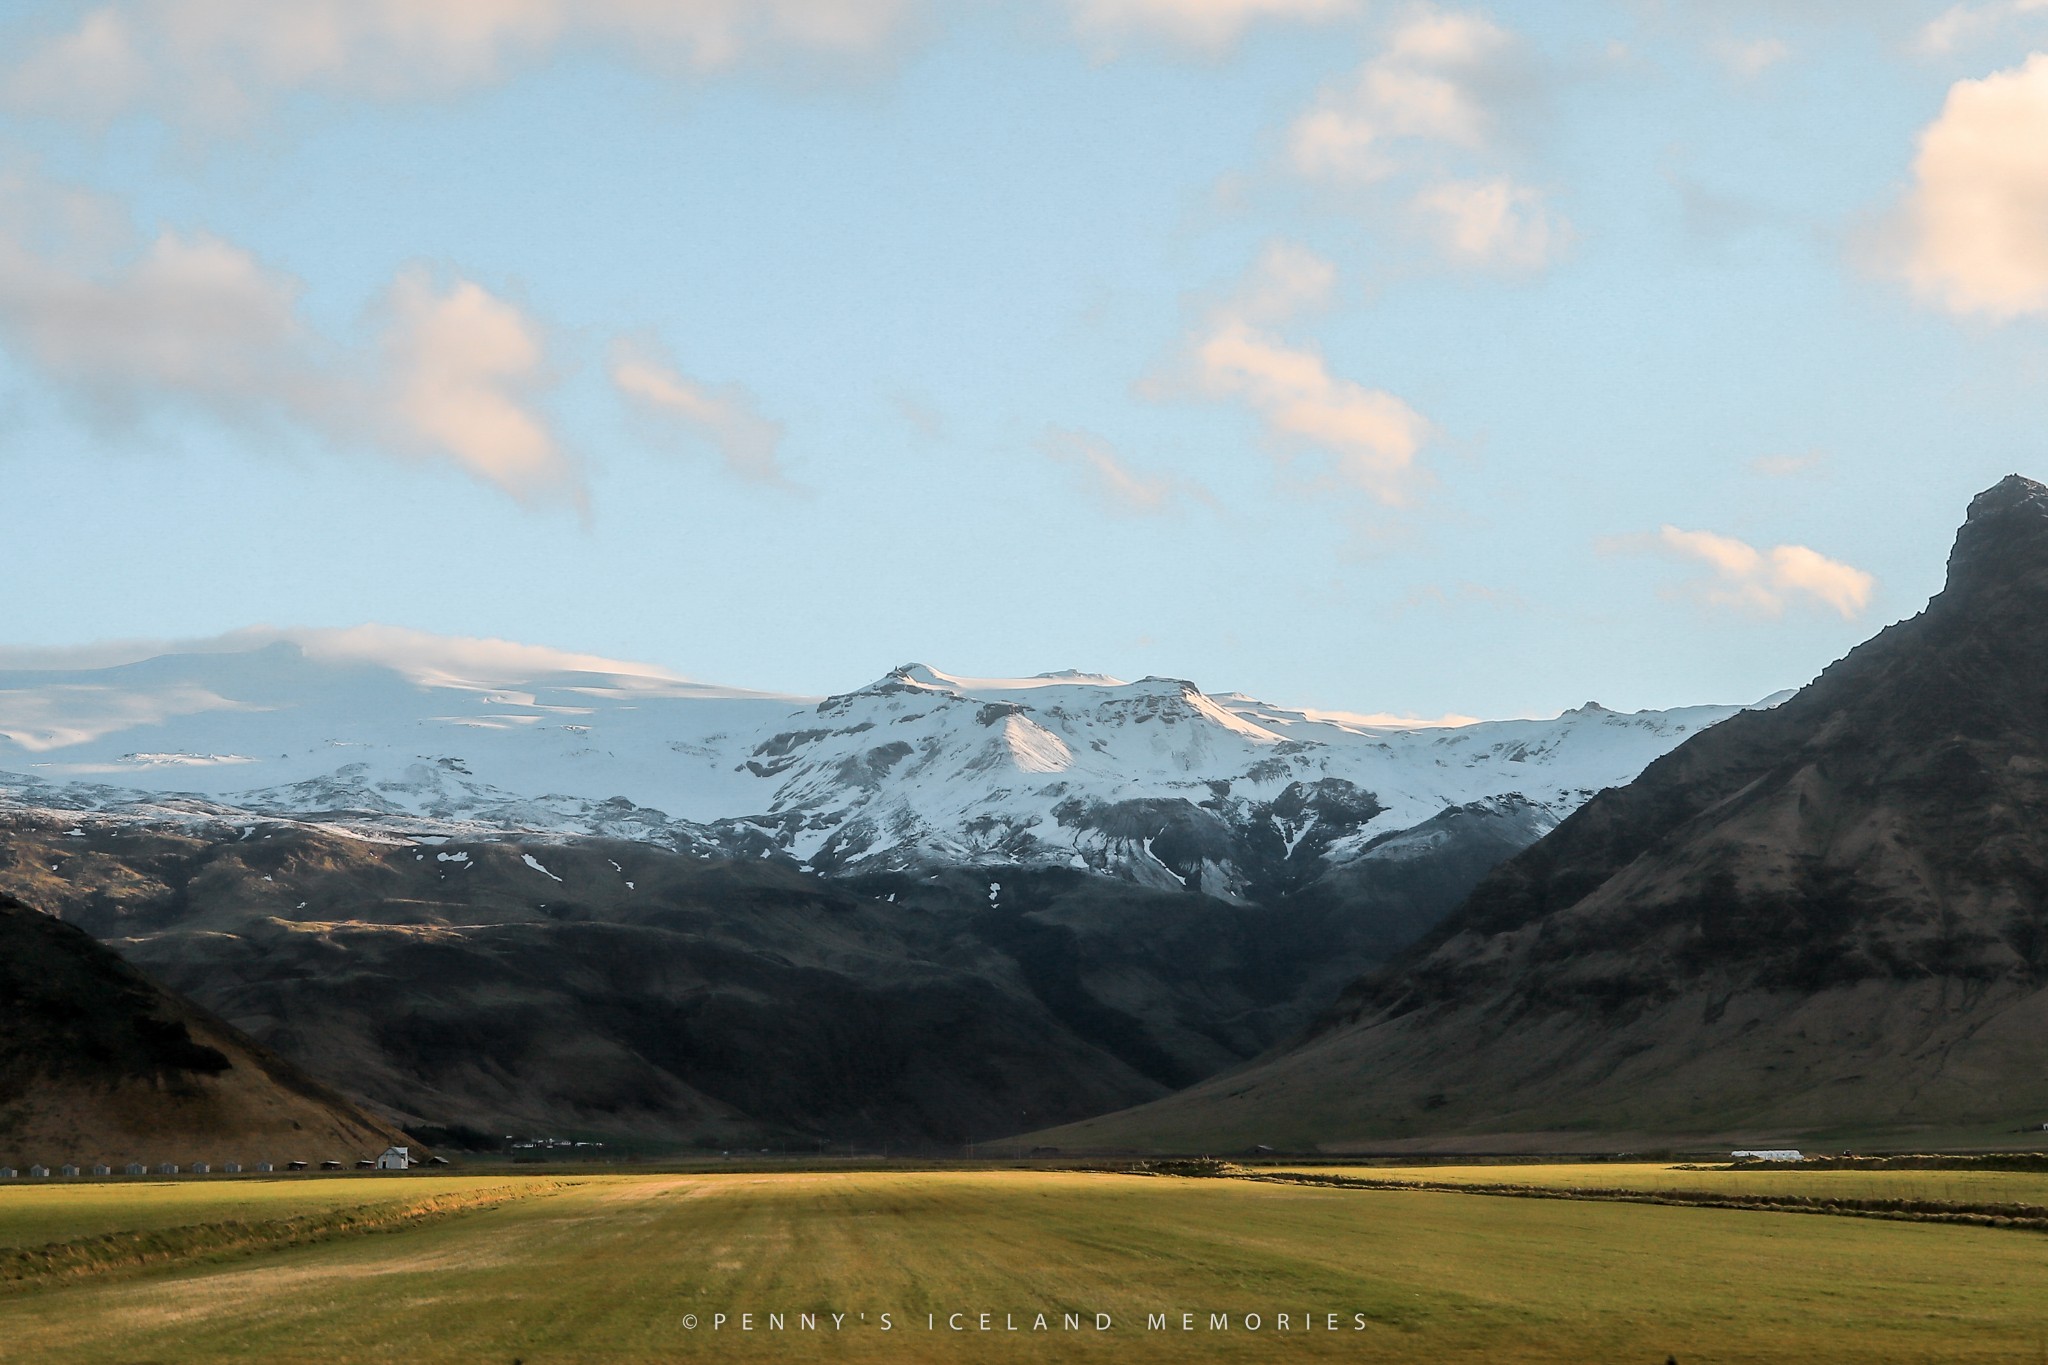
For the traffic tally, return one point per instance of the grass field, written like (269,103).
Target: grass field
(606,1268)
(1951,1186)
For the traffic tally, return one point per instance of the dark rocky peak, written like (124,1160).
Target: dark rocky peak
(2003,541)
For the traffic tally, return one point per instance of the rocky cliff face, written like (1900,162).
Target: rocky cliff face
(1829,916)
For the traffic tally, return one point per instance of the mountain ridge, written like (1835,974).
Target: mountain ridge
(1826,917)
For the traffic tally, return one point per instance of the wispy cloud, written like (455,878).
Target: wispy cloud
(1365,439)
(1286,281)
(1789,466)
(727,417)
(220,62)
(1205,25)
(1748,58)
(1971,236)
(1370,436)
(1493,223)
(1435,109)
(1745,578)
(1116,484)
(191,321)
(1963,25)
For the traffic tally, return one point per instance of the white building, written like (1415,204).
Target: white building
(395,1159)
(1769,1154)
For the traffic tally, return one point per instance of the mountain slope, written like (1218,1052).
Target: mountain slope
(1830,916)
(98,1063)
(523,892)
(1153,782)
(597,987)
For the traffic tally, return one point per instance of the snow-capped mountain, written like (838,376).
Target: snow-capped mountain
(393,734)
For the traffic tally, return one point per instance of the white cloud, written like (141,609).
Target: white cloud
(1120,487)
(1211,25)
(727,416)
(192,321)
(193,315)
(463,370)
(219,61)
(1974,227)
(1767,581)
(1495,223)
(1370,436)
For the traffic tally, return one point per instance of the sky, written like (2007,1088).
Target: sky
(1381,357)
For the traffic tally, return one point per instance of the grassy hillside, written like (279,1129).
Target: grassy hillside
(100,1064)
(607,1269)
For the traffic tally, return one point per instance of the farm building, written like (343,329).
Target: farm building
(6,1173)
(200,1168)
(1768,1154)
(233,1168)
(101,1168)
(168,1168)
(67,1170)
(265,1167)
(395,1159)
(137,1168)
(39,1172)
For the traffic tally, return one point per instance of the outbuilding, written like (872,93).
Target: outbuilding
(39,1172)
(101,1168)
(137,1168)
(265,1167)
(7,1173)
(1769,1154)
(67,1170)
(233,1168)
(168,1168)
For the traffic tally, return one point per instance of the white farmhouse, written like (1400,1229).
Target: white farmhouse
(395,1159)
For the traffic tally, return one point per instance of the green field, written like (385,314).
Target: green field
(606,1267)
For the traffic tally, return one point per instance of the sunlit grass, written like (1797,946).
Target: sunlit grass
(608,1269)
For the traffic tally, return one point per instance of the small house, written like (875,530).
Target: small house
(330,1165)
(137,1168)
(200,1168)
(101,1168)
(233,1168)
(39,1172)
(395,1159)
(168,1168)
(295,1165)
(68,1171)
(265,1167)
(6,1173)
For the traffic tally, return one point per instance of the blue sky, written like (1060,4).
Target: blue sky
(1369,356)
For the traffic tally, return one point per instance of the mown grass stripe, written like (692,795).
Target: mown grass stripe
(114,1252)
(2026,1217)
